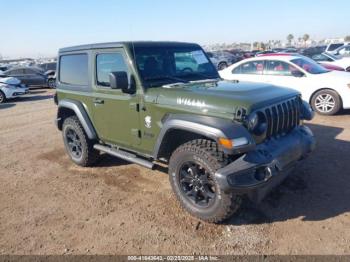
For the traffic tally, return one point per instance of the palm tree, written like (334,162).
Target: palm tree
(290,37)
(305,38)
(347,38)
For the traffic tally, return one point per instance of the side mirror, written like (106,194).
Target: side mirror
(297,74)
(120,80)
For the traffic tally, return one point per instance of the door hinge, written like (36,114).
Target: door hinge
(135,106)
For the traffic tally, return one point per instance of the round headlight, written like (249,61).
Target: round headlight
(256,123)
(253,121)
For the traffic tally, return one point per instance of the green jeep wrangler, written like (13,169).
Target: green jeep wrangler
(164,102)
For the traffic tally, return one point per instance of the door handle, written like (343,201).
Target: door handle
(98,101)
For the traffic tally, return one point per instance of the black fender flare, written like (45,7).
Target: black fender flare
(79,110)
(207,126)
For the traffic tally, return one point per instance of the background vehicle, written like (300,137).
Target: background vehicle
(31,76)
(209,132)
(331,48)
(222,59)
(326,58)
(343,50)
(51,66)
(313,50)
(264,52)
(326,91)
(11,87)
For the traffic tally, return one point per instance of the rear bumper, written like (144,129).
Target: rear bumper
(257,172)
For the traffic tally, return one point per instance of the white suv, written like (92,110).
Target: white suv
(11,87)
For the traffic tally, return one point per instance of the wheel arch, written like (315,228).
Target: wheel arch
(69,107)
(179,129)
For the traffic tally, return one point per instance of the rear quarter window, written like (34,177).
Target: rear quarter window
(74,69)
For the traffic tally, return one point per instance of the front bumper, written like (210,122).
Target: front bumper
(257,172)
(15,92)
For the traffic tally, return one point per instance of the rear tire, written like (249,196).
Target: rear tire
(326,102)
(2,97)
(191,173)
(78,146)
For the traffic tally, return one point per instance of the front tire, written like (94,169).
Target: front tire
(191,172)
(2,97)
(326,102)
(78,146)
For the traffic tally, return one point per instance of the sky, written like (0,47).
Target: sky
(36,28)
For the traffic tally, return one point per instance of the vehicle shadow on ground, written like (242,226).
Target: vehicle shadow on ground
(106,160)
(32,98)
(6,105)
(345,112)
(317,190)
(38,91)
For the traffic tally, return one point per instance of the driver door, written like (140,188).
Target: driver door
(115,114)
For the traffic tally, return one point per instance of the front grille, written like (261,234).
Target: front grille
(283,117)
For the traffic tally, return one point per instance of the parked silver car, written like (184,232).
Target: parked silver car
(222,59)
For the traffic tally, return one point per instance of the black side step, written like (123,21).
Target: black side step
(124,155)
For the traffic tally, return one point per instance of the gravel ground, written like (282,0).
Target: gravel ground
(50,206)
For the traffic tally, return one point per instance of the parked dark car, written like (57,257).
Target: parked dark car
(31,76)
(314,50)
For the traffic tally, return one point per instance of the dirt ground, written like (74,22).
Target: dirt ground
(50,206)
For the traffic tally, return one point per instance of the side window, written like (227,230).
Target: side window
(16,72)
(74,69)
(332,47)
(253,67)
(29,72)
(107,63)
(279,68)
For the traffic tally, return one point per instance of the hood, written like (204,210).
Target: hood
(334,77)
(219,97)
(10,81)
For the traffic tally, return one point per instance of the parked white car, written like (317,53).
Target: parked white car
(11,87)
(326,58)
(326,91)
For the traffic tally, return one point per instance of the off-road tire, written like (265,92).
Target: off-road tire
(335,97)
(88,154)
(207,154)
(2,97)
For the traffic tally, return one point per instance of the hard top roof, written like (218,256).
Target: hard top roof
(123,44)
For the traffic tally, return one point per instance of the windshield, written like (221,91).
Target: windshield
(160,65)
(309,65)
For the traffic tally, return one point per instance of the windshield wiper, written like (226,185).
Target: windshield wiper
(166,77)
